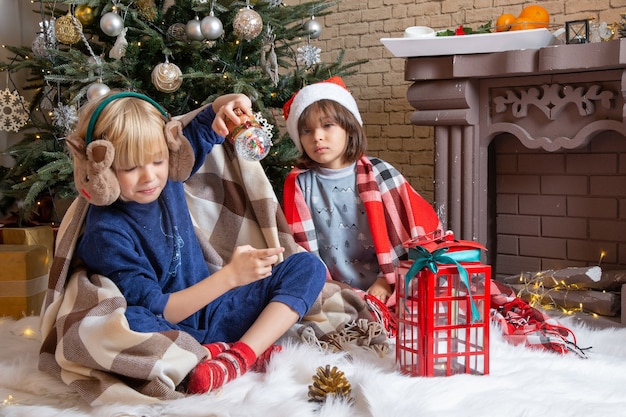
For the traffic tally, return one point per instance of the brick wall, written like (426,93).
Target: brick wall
(379,86)
(559,209)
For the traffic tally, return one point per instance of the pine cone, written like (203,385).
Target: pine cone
(329,381)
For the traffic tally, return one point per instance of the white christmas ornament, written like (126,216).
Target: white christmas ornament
(65,117)
(308,55)
(119,49)
(211,27)
(166,77)
(193,30)
(111,24)
(96,90)
(13,111)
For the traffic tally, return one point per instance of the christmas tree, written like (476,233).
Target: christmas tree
(181,53)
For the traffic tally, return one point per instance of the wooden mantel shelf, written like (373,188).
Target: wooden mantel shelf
(553,98)
(548,60)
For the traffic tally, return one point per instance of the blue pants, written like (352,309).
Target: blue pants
(296,282)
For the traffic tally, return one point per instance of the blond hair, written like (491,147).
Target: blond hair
(134,127)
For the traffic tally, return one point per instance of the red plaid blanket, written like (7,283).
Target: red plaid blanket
(523,324)
(398,212)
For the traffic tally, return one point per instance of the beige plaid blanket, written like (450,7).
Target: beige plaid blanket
(86,340)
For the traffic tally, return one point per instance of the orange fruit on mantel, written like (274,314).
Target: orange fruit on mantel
(531,17)
(504,22)
(536,14)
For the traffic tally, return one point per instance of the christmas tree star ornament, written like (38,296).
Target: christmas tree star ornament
(65,117)
(308,55)
(13,111)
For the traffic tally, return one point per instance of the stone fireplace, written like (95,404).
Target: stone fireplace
(530,152)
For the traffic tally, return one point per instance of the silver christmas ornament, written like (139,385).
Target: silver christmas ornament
(96,90)
(313,28)
(45,40)
(193,30)
(211,27)
(247,24)
(111,24)
(41,48)
(166,77)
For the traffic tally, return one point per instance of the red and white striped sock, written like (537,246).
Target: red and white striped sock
(260,365)
(211,374)
(216,348)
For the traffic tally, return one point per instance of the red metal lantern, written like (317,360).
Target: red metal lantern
(443,315)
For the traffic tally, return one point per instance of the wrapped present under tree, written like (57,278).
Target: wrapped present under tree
(23,279)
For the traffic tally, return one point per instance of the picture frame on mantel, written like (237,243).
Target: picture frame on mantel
(577,31)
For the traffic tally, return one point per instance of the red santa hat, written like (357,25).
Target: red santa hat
(331,89)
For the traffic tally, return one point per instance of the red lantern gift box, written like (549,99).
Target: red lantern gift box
(442,310)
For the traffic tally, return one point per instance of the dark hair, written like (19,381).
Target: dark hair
(356,142)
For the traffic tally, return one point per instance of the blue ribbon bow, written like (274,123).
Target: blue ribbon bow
(425,259)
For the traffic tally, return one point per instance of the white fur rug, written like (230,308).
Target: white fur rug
(522,383)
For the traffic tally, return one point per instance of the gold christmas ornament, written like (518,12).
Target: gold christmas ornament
(147,9)
(66,31)
(166,77)
(329,381)
(84,14)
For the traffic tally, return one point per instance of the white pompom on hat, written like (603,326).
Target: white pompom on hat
(331,89)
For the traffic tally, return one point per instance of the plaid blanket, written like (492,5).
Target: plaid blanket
(398,212)
(86,339)
(523,324)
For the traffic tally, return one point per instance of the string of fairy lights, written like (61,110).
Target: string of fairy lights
(531,287)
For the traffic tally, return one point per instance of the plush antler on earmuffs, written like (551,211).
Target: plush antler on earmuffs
(94,177)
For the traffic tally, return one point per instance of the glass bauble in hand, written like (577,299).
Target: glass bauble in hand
(249,139)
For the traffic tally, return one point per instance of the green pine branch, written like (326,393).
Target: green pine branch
(42,166)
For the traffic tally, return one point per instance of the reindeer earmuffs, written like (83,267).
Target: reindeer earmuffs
(94,177)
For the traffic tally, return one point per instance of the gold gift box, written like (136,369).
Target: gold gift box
(36,235)
(23,279)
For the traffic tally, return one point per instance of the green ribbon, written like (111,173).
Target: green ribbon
(425,259)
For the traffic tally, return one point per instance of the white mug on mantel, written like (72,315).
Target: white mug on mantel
(419,32)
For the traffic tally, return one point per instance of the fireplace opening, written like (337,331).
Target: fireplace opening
(555,210)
